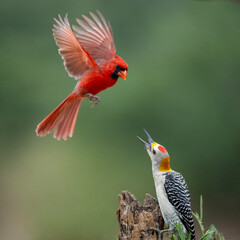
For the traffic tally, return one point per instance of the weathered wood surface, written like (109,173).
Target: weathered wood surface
(135,219)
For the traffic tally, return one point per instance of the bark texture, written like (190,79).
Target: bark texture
(135,219)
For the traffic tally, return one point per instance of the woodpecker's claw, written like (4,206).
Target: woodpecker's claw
(94,99)
(160,232)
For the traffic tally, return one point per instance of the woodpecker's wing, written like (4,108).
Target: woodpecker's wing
(178,195)
(76,59)
(96,36)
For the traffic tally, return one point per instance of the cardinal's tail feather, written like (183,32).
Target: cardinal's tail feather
(62,120)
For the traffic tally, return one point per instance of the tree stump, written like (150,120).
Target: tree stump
(136,219)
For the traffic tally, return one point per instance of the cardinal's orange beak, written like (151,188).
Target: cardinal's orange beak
(122,74)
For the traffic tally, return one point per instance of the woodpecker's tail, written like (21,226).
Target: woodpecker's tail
(62,120)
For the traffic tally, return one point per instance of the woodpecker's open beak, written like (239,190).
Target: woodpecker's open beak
(122,74)
(147,145)
(149,137)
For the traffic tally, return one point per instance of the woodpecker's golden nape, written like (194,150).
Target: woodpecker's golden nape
(157,153)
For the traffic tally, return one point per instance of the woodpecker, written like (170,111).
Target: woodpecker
(172,190)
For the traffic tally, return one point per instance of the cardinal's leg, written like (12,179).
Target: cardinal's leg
(94,99)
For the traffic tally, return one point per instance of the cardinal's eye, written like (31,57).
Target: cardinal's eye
(118,68)
(154,152)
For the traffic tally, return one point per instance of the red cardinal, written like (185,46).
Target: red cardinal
(89,57)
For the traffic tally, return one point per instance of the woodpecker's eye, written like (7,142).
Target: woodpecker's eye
(154,152)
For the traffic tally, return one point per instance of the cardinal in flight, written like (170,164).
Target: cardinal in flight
(89,56)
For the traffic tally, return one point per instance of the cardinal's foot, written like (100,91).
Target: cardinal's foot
(94,99)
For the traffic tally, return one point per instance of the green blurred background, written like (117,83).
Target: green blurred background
(182,86)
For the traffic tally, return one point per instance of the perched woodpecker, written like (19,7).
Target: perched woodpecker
(172,190)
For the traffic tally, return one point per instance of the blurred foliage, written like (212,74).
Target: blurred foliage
(182,86)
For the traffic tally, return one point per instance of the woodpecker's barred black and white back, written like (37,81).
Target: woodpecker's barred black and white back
(178,195)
